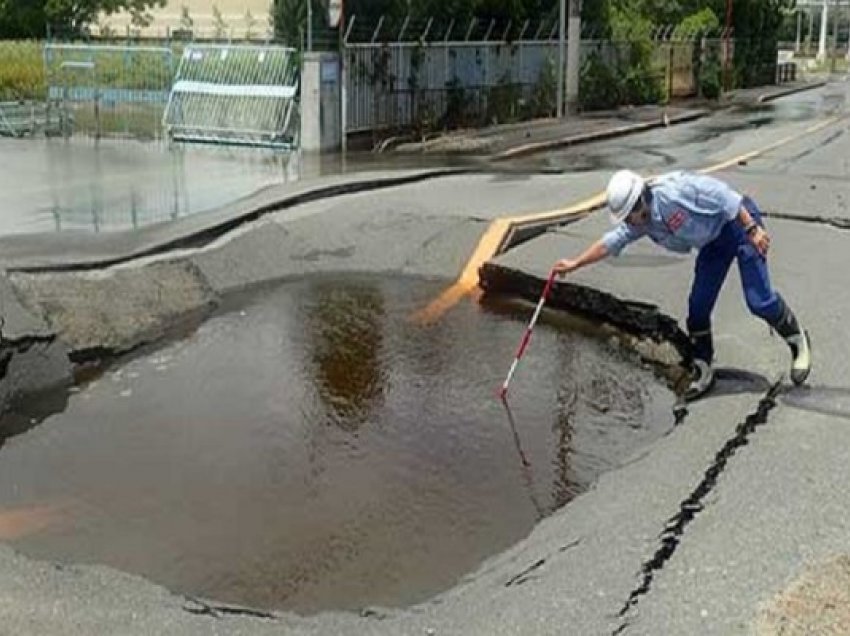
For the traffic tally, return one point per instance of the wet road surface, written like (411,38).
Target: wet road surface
(311,447)
(686,145)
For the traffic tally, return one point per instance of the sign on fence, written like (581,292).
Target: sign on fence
(334,13)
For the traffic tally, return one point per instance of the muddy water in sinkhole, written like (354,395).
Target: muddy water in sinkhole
(312,447)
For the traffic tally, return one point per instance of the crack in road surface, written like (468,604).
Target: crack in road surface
(675,527)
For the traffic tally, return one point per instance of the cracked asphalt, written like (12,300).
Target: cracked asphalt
(696,535)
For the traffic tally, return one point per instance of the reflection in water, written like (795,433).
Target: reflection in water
(345,326)
(527,469)
(108,186)
(29,412)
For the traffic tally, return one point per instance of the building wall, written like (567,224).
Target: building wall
(168,19)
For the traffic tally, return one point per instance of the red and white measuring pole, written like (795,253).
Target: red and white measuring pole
(503,392)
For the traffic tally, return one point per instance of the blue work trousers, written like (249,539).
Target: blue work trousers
(712,265)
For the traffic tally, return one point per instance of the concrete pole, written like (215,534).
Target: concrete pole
(309,25)
(573,56)
(836,23)
(799,25)
(824,21)
(561,34)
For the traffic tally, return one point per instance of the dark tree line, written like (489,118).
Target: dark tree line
(37,18)
(752,19)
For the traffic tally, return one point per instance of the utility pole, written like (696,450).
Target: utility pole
(573,56)
(836,23)
(309,25)
(562,13)
(799,28)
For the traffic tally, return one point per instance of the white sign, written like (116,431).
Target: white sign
(334,13)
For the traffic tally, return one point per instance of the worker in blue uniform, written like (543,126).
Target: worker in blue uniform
(683,211)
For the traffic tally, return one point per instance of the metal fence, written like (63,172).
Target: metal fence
(235,95)
(421,76)
(107,90)
(399,74)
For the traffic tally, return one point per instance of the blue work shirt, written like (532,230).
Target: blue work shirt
(687,210)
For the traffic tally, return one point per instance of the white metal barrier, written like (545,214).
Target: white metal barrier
(235,94)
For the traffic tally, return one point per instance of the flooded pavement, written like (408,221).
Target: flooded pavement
(79,184)
(54,185)
(311,447)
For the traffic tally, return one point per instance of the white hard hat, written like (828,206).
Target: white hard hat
(624,190)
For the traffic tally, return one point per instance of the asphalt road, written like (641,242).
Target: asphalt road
(767,470)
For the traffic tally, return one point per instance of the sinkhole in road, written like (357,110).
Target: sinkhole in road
(311,446)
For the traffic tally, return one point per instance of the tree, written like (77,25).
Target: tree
(757,24)
(72,17)
(21,19)
(290,19)
(31,18)
(371,10)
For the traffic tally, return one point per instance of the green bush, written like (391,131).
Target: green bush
(641,85)
(544,97)
(599,85)
(456,102)
(710,81)
(503,101)
(703,21)
(629,79)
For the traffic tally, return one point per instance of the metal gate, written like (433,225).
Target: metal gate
(105,90)
(235,94)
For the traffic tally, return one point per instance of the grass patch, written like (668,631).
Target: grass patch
(22,71)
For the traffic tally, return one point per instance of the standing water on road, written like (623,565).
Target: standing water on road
(54,185)
(312,447)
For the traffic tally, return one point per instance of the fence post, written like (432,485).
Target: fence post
(446,62)
(403,27)
(520,47)
(669,70)
(377,29)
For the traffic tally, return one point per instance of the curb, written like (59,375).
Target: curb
(599,135)
(769,97)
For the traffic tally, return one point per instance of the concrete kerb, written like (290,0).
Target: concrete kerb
(601,135)
(769,97)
